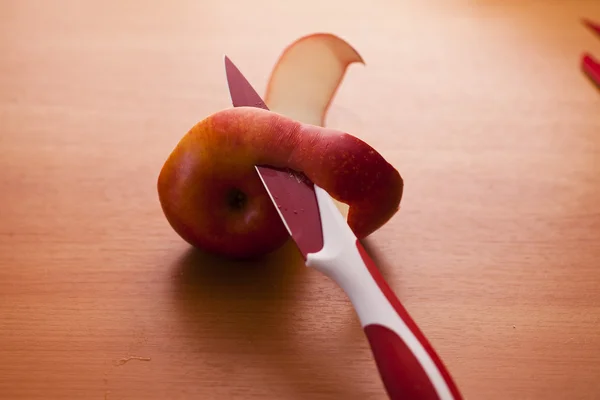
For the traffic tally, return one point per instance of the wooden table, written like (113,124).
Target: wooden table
(495,252)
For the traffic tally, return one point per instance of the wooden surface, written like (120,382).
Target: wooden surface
(495,253)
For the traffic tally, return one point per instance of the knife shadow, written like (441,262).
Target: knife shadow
(248,312)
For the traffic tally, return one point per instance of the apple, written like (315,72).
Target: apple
(213,198)
(210,192)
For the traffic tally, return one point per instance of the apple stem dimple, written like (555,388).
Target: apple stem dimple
(236,199)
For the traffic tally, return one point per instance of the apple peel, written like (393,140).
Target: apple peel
(306,78)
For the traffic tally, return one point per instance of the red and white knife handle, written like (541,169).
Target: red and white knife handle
(409,367)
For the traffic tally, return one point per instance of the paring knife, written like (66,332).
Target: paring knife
(407,363)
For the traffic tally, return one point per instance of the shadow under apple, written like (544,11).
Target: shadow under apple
(251,309)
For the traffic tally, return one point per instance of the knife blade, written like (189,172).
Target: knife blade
(407,363)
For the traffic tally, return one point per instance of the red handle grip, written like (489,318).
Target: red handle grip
(403,375)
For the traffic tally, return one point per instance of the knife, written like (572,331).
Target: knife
(407,363)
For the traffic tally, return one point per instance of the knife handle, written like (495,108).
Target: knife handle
(408,370)
(407,363)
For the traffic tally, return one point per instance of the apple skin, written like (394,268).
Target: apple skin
(214,199)
(306,77)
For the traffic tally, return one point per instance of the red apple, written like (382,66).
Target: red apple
(213,198)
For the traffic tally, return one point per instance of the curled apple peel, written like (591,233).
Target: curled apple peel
(214,199)
(306,78)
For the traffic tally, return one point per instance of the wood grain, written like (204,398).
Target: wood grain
(495,252)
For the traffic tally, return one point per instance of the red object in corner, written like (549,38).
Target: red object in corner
(591,68)
(589,65)
(594,27)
